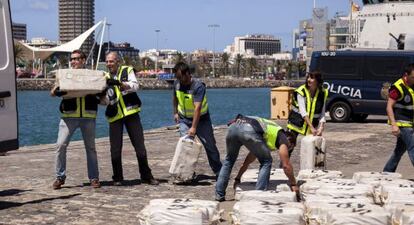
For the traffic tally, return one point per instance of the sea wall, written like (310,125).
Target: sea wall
(153,84)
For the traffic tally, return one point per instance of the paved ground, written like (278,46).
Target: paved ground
(26,196)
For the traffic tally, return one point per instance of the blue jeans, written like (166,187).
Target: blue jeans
(67,127)
(243,134)
(405,142)
(206,135)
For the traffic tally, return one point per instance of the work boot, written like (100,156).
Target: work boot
(150,181)
(95,183)
(117,183)
(57,184)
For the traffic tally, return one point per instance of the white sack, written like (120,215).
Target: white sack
(185,159)
(271,196)
(180,212)
(402,214)
(251,175)
(358,214)
(265,213)
(318,174)
(312,152)
(359,176)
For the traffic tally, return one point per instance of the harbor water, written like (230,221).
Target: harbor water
(39,113)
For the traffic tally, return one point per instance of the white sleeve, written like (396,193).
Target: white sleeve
(132,82)
(302,106)
(322,118)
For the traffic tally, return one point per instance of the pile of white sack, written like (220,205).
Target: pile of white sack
(326,199)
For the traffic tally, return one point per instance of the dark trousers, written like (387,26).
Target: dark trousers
(136,134)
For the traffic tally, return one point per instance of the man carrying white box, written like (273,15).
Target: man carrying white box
(77,112)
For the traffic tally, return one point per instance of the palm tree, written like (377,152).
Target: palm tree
(127,60)
(239,61)
(18,53)
(225,63)
(178,58)
(147,63)
(63,60)
(251,66)
(136,63)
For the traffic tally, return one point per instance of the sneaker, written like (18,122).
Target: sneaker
(57,184)
(150,181)
(95,183)
(220,199)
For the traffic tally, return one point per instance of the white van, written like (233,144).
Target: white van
(8,107)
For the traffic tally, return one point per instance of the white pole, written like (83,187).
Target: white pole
(100,44)
(156,52)
(314,3)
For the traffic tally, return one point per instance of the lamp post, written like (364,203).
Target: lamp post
(156,51)
(214,26)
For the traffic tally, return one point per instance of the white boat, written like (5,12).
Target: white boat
(378,18)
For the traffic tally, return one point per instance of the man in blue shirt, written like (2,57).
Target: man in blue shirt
(191,112)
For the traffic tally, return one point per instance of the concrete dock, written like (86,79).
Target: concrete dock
(26,175)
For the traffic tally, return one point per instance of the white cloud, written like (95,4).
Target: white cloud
(39,5)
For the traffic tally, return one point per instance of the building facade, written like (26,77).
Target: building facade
(259,44)
(123,49)
(254,45)
(75,17)
(19,31)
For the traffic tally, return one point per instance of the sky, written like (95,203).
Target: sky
(183,24)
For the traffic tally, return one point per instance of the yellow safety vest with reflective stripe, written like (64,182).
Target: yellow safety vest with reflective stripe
(270,131)
(186,102)
(82,107)
(313,108)
(125,105)
(404,107)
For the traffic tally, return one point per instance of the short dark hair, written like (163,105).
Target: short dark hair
(409,69)
(318,77)
(182,67)
(290,136)
(77,51)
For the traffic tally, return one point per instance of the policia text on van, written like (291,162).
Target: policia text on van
(358,80)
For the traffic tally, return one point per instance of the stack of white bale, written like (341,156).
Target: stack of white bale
(340,201)
(276,206)
(395,194)
(80,82)
(180,212)
(397,197)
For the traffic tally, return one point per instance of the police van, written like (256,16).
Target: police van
(8,106)
(358,80)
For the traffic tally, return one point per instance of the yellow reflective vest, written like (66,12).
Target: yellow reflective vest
(404,107)
(124,104)
(313,108)
(185,101)
(268,128)
(82,107)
